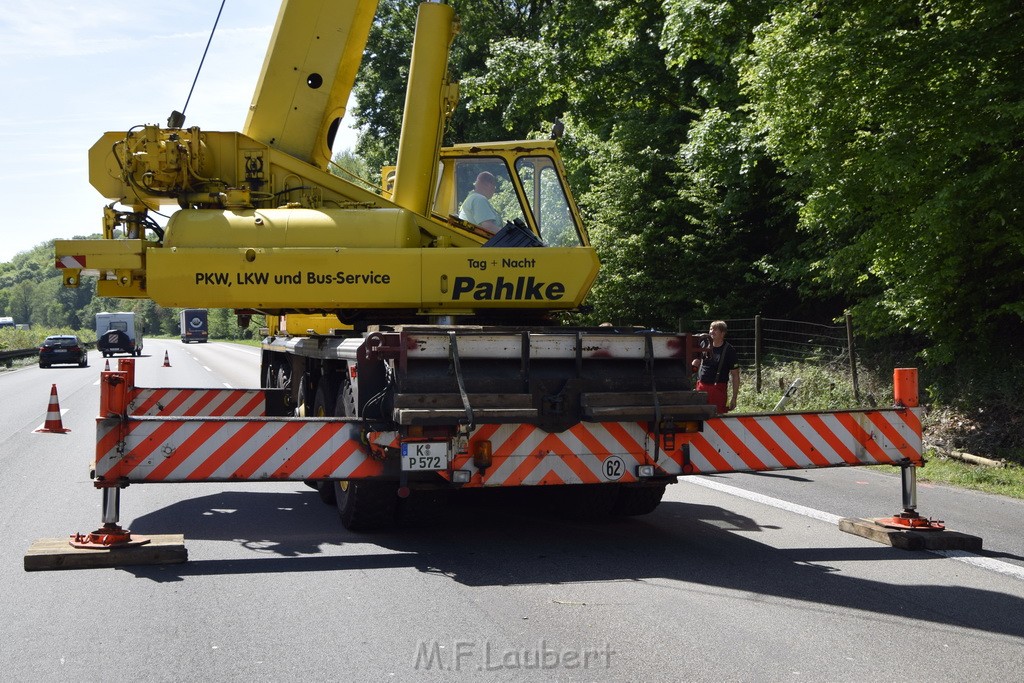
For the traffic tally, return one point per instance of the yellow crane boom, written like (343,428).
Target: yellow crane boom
(261,224)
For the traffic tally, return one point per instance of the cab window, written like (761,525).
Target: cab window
(504,201)
(548,201)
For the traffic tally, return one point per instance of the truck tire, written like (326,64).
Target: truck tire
(284,376)
(637,500)
(362,505)
(302,396)
(326,397)
(321,408)
(366,505)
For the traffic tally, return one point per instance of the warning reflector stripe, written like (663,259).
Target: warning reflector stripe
(308,447)
(895,439)
(526,455)
(222,454)
(277,441)
(198,402)
(829,440)
(760,434)
(199,435)
(628,436)
(733,440)
(70,262)
(805,440)
(232,449)
(214,448)
(800,443)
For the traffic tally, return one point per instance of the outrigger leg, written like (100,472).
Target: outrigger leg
(110,535)
(909,519)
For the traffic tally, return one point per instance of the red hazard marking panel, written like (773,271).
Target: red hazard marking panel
(805,441)
(70,262)
(198,402)
(590,453)
(226,449)
(213,447)
(525,455)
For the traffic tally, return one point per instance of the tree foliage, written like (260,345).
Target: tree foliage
(784,157)
(904,119)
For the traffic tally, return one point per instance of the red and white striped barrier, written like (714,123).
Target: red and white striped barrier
(229,449)
(197,402)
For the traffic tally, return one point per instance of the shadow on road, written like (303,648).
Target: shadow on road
(488,544)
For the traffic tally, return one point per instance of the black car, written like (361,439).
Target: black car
(63,348)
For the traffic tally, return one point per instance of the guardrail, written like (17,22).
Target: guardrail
(7,358)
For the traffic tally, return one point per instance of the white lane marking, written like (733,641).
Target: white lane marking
(964,556)
(207,369)
(226,384)
(989,563)
(766,500)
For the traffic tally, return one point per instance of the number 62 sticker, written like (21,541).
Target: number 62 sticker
(613,468)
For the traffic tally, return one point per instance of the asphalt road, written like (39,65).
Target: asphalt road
(717,584)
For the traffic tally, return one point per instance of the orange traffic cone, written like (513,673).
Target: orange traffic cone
(53,424)
(106,368)
(167,361)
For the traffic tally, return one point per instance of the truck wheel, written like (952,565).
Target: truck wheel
(366,505)
(284,380)
(325,398)
(302,408)
(362,505)
(637,500)
(325,487)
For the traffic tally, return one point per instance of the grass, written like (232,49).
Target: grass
(1004,481)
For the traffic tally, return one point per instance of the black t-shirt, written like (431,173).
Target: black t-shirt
(710,372)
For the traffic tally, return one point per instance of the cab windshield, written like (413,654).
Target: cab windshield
(548,202)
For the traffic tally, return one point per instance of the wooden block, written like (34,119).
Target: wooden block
(908,539)
(58,553)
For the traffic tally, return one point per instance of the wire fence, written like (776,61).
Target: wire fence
(760,341)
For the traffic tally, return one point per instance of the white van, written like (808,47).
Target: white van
(118,333)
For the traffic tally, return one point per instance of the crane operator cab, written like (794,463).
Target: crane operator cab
(529,192)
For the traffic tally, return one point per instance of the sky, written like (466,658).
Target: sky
(72,70)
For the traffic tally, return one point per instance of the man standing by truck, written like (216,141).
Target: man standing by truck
(718,367)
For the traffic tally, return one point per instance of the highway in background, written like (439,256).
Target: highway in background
(733,578)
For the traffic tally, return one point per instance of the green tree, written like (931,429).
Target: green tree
(903,120)
(380,88)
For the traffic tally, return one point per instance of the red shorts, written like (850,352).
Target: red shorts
(716,394)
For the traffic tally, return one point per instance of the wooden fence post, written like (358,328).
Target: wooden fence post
(757,353)
(853,356)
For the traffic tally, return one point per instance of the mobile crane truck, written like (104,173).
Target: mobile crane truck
(407,353)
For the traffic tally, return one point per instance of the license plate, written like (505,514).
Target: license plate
(60,350)
(424,455)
